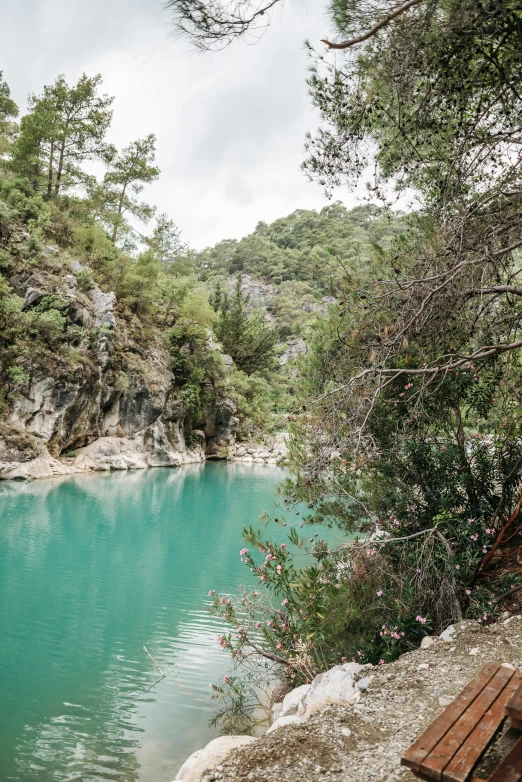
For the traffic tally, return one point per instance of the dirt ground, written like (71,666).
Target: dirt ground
(364,741)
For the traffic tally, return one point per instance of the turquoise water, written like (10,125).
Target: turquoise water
(92,568)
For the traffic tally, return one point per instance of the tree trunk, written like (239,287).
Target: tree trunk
(60,168)
(468,475)
(50,175)
(120,210)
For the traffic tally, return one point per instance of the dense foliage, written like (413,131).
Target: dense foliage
(408,431)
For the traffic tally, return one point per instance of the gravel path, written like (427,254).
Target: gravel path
(364,741)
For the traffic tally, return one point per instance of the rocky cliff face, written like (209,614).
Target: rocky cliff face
(115,407)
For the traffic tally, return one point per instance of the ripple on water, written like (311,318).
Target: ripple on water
(91,569)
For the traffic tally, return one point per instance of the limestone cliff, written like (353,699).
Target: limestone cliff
(115,405)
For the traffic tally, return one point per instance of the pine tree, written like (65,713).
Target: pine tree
(8,113)
(65,127)
(129,172)
(245,334)
(166,240)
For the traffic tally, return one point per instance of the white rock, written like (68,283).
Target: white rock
(423,667)
(346,732)
(276,712)
(290,719)
(363,684)
(353,668)
(445,700)
(43,466)
(103,306)
(336,684)
(474,651)
(203,760)
(448,633)
(427,641)
(293,699)
(110,453)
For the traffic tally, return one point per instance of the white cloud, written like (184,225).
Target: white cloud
(230,126)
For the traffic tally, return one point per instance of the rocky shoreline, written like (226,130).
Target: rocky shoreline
(353,722)
(146,449)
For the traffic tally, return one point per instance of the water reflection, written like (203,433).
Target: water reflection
(91,569)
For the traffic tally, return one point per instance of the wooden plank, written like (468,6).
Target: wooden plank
(448,746)
(460,767)
(414,756)
(514,707)
(510,769)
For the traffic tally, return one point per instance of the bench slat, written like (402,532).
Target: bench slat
(468,755)
(514,707)
(435,763)
(510,769)
(414,756)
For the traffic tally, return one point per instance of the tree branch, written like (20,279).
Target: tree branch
(387,19)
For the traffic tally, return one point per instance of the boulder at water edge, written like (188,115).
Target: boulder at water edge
(203,760)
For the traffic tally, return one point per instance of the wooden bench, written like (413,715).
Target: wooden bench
(451,747)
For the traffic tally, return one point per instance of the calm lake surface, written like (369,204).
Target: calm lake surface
(92,568)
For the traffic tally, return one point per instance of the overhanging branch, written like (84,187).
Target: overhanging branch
(375,29)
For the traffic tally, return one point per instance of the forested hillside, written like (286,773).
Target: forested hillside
(97,288)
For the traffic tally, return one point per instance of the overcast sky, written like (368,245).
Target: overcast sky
(230,126)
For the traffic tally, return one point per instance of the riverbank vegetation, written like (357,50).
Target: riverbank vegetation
(407,432)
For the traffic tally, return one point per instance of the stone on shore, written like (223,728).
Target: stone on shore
(203,760)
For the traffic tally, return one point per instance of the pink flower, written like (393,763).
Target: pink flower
(226,679)
(457,567)
(279,646)
(475,536)
(243,552)
(211,593)
(382,662)
(468,591)
(283,545)
(471,521)
(285,602)
(344,659)
(379,593)
(278,568)
(420,619)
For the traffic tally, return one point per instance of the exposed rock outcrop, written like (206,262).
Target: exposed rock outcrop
(115,407)
(273,450)
(220,429)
